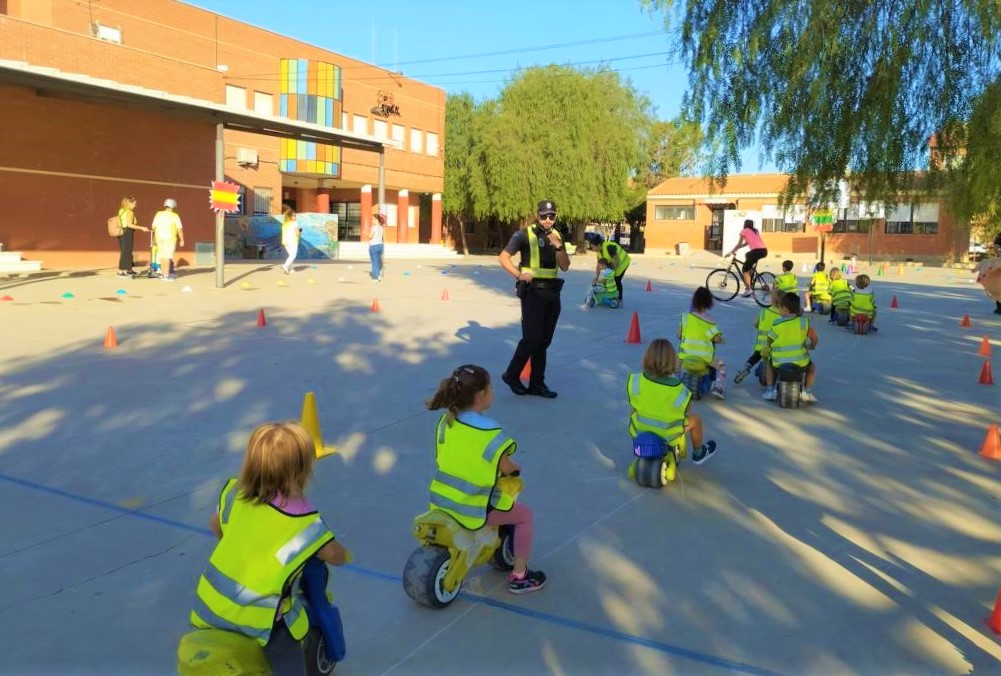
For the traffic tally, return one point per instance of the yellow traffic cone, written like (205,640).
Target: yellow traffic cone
(311,421)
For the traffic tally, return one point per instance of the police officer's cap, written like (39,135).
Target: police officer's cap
(547,207)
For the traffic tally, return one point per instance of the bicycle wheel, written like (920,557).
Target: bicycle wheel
(723,284)
(763,284)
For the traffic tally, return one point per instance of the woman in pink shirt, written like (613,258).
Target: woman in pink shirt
(751,238)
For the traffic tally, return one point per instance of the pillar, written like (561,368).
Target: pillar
(366,211)
(436,218)
(402,215)
(323,201)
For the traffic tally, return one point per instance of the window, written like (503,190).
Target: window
(398,134)
(359,124)
(662,213)
(381,129)
(416,141)
(262,200)
(236,97)
(98,30)
(913,219)
(854,225)
(781,225)
(348,220)
(263,104)
(432,144)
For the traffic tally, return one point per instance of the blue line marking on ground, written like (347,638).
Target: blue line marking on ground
(596,630)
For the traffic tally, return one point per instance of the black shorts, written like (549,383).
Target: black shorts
(752,258)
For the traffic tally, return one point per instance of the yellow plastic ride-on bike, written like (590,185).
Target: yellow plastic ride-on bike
(436,570)
(656,464)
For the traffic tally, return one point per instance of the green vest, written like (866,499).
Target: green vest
(618,264)
(787,282)
(819,287)
(255,566)
(863,303)
(606,285)
(657,407)
(766,318)
(841,293)
(697,338)
(788,337)
(468,466)
(534,266)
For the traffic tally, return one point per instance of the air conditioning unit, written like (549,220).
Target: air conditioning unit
(246,157)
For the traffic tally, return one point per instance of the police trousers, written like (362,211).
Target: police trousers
(540,311)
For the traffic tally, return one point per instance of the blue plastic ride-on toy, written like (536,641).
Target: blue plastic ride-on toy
(656,463)
(598,296)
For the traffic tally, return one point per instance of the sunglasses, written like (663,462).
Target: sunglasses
(547,217)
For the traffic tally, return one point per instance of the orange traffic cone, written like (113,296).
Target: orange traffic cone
(375,305)
(110,339)
(965,322)
(985,348)
(986,377)
(634,330)
(649,286)
(994,621)
(444,294)
(991,448)
(261,319)
(526,373)
(6,299)
(893,303)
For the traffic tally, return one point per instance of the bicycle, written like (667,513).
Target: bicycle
(725,283)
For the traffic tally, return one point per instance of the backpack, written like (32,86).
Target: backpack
(115,228)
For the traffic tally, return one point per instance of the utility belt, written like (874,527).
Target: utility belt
(522,287)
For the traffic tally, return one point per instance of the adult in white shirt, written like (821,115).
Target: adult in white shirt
(375,246)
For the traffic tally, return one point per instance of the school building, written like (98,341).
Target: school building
(102,99)
(690,212)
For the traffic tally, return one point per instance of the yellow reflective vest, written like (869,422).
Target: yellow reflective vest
(788,339)
(468,459)
(766,318)
(606,284)
(787,282)
(819,287)
(863,303)
(618,263)
(534,265)
(657,407)
(253,571)
(841,293)
(697,338)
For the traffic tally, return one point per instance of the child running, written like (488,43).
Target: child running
(660,402)
(863,302)
(472,451)
(290,238)
(766,318)
(699,336)
(267,532)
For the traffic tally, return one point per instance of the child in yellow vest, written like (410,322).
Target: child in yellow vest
(787,282)
(863,302)
(819,291)
(699,336)
(841,294)
(789,342)
(763,322)
(660,402)
(267,532)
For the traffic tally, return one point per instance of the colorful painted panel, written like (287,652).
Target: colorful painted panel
(310,92)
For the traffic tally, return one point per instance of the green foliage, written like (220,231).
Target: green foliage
(834,88)
(974,180)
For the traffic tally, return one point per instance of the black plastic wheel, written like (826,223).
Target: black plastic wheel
(763,284)
(723,284)
(315,652)
(423,575)
(789,392)
(651,472)
(503,558)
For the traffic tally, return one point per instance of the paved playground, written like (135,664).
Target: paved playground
(860,535)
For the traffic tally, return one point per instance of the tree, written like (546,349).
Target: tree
(672,150)
(457,202)
(835,88)
(974,179)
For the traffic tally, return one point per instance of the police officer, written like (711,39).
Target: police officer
(542,256)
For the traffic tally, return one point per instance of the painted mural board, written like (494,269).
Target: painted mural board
(733,223)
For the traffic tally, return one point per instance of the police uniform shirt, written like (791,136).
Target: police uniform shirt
(519,243)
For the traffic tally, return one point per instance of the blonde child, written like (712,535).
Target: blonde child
(841,294)
(819,291)
(764,321)
(863,301)
(268,531)
(471,452)
(660,402)
(699,336)
(788,342)
(787,282)
(290,237)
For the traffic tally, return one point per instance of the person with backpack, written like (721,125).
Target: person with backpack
(127,223)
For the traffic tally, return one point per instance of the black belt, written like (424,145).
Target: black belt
(553,284)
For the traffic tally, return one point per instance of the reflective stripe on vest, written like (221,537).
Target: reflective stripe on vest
(465,484)
(618,264)
(696,338)
(787,282)
(607,284)
(862,304)
(841,293)
(766,319)
(820,285)
(534,265)
(657,407)
(789,336)
(254,567)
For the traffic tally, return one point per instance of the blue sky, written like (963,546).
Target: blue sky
(444,42)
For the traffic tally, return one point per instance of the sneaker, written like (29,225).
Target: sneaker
(376,280)
(808,309)
(718,392)
(542,391)
(516,385)
(285,270)
(873,329)
(747,294)
(169,278)
(742,373)
(532,580)
(771,394)
(808,397)
(701,454)
(122,273)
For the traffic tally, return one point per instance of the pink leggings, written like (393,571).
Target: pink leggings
(520,517)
